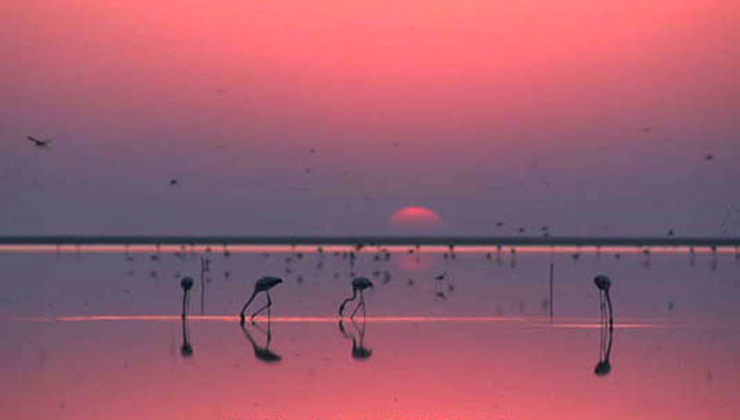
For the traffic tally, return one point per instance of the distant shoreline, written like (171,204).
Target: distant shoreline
(376,240)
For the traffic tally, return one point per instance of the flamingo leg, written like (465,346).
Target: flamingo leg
(611,312)
(267,306)
(244,308)
(362,299)
(356,308)
(346,301)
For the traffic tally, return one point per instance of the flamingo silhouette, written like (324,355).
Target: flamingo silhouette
(263,285)
(359,351)
(359,284)
(262,353)
(603,366)
(604,283)
(186,350)
(186,284)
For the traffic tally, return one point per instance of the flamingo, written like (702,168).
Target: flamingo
(263,285)
(186,284)
(603,283)
(359,284)
(603,367)
(262,353)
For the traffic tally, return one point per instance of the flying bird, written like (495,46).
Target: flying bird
(42,144)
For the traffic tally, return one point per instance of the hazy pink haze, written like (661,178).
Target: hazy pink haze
(326,117)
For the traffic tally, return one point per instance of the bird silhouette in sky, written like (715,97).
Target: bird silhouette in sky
(41,144)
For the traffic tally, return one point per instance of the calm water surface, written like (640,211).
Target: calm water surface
(99,336)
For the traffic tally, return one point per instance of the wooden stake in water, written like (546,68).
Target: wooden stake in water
(552,304)
(205,267)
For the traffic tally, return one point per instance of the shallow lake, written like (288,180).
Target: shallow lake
(99,335)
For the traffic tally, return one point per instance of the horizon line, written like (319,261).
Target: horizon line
(370,240)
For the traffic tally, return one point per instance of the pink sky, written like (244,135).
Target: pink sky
(593,117)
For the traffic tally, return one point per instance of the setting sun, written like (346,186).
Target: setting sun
(416,218)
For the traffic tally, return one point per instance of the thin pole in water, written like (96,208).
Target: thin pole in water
(204,268)
(552,269)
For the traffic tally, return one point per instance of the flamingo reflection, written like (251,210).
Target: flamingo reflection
(186,350)
(359,351)
(262,353)
(603,367)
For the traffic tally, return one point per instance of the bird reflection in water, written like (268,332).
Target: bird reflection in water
(262,353)
(603,367)
(359,351)
(186,350)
